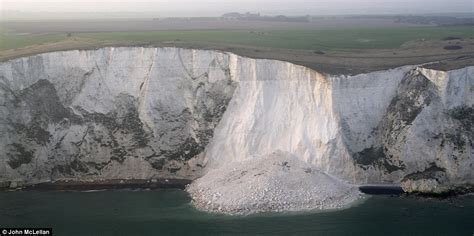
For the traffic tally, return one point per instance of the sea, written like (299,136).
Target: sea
(170,212)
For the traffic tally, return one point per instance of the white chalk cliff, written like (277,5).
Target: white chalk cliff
(118,113)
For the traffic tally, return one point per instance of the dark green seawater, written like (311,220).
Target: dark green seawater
(168,212)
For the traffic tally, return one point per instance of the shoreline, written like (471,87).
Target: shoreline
(114,184)
(170,183)
(181,184)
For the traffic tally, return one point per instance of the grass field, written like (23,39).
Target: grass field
(11,41)
(328,39)
(325,39)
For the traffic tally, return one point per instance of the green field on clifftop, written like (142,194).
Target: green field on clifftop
(324,39)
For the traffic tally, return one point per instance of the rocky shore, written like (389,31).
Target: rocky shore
(73,185)
(273,183)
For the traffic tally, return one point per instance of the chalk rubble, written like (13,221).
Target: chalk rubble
(271,183)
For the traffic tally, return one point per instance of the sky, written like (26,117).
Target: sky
(217,7)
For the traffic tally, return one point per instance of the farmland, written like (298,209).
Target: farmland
(329,47)
(323,39)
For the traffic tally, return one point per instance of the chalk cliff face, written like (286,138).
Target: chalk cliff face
(110,114)
(407,125)
(120,113)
